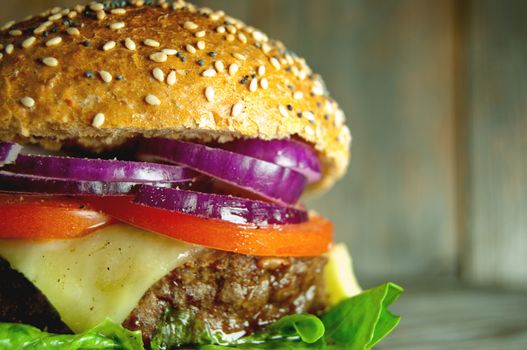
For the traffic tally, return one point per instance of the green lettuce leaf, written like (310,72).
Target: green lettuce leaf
(360,322)
(357,323)
(106,336)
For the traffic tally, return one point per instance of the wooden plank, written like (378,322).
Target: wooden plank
(459,318)
(497,105)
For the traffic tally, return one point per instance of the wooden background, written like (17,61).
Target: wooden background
(435,94)
(436,196)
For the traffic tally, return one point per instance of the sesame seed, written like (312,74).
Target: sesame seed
(190,25)
(172,78)
(27,102)
(72,14)
(8,25)
(266,48)
(253,85)
(220,29)
(101,15)
(274,62)
(231,29)
(309,130)
(298,95)
(201,45)
(55,10)
(119,11)
(209,73)
(152,100)
(237,109)
(98,120)
(54,42)
(151,43)
(159,57)
(109,45)
(219,66)
(73,31)
(42,28)
(309,116)
(130,44)
(283,111)
(233,68)
(55,17)
(1,56)
(239,56)
(190,48)
(106,76)
(261,70)
(229,37)
(214,17)
(50,61)
(258,36)
(15,32)
(200,34)
(9,49)
(209,93)
(96,7)
(29,42)
(264,83)
(158,74)
(242,38)
(117,25)
(169,52)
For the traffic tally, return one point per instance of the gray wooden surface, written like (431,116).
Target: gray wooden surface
(445,317)
(497,142)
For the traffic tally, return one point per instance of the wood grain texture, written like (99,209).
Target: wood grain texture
(439,317)
(497,106)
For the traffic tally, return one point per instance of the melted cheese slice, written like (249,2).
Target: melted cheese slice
(102,275)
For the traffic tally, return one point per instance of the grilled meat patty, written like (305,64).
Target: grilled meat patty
(215,293)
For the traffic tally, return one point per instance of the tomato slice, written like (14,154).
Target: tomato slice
(311,238)
(41,217)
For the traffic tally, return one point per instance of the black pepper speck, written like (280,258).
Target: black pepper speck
(201,63)
(88,74)
(212,54)
(86,43)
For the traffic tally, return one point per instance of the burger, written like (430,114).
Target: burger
(152,158)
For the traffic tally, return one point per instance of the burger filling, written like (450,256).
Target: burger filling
(180,244)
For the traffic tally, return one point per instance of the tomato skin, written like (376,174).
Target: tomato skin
(46,217)
(312,238)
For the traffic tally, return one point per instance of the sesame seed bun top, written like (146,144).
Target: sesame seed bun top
(100,74)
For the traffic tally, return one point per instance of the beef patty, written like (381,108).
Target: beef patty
(216,292)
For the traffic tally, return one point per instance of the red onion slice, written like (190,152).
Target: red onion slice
(227,208)
(287,153)
(266,179)
(9,152)
(83,169)
(20,183)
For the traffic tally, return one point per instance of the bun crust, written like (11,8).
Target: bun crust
(100,74)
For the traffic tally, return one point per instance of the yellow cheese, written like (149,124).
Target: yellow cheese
(102,275)
(341,282)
